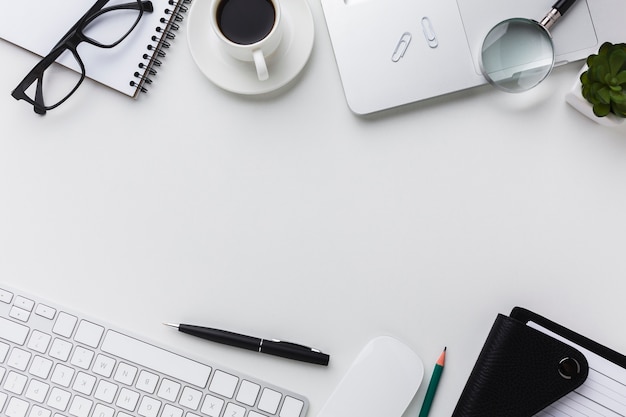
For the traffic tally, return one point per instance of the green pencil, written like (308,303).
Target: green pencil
(432,385)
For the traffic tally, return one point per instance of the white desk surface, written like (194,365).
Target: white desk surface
(287,216)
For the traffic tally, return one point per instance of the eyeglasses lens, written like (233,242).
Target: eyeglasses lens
(111,27)
(58,81)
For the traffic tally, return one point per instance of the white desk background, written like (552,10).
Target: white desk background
(287,216)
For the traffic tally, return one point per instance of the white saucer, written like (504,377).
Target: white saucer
(238,76)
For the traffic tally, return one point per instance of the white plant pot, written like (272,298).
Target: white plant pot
(575,98)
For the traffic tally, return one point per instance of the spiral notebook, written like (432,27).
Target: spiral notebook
(37,25)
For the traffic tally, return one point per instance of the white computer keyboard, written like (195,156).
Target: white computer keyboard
(55,362)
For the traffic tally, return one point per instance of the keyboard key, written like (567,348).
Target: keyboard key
(40,367)
(190,398)
(16,408)
(292,407)
(149,407)
(89,334)
(223,384)
(171,411)
(82,357)
(12,331)
(103,411)
(80,407)
(269,401)
(64,325)
(169,390)
(4,349)
(125,374)
(62,375)
(104,366)
(38,411)
(156,358)
(19,314)
(127,399)
(105,391)
(84,383)
(248,393)
(15,383)
(39,341)
(24,303)
(147,382)
(60,349)
(37,391)
(45,311)
(59,399)
(234,410)
(212,406)
(5,297)
(18,359)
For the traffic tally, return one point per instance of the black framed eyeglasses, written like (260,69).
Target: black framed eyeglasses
(51,82)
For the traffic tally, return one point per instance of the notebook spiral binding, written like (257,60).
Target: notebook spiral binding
(161,40)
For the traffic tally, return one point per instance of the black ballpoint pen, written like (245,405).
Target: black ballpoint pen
(270,346)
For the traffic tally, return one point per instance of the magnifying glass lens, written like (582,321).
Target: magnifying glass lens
(517,54)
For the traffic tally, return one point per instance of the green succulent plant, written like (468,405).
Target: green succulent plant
(604,82)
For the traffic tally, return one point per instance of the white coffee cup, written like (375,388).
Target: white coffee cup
(246,33)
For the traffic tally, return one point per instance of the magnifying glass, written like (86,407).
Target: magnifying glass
(518,54)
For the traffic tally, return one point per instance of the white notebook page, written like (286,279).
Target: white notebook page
(603,394)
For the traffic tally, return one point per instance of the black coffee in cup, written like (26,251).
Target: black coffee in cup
(245,21)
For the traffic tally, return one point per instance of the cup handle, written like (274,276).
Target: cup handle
(261,66)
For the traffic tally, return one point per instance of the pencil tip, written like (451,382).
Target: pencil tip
(171,325)
(442,357)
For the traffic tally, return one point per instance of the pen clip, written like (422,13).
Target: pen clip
(297,346)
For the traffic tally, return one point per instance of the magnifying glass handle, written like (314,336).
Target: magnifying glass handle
(563,5)
(558,9)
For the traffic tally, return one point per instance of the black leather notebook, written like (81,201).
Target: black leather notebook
(531,366)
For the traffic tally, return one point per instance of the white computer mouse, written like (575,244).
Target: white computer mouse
(382,380)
